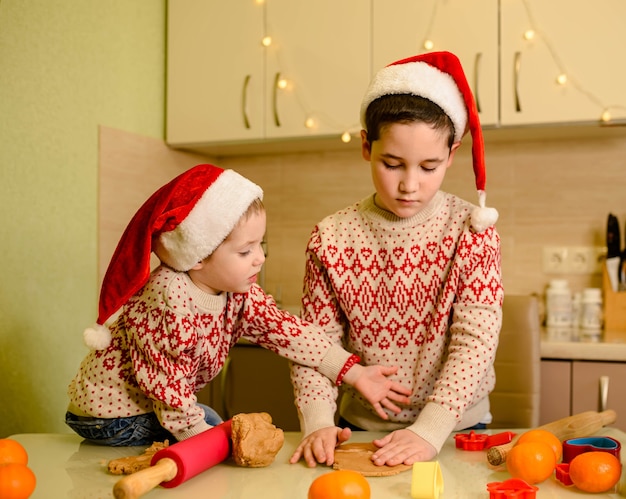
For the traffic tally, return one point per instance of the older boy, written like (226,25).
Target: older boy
(408,276)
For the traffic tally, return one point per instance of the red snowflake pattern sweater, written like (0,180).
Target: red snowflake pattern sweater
(172,338)
(424,293)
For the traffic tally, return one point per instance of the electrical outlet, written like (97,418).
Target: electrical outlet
(573,259)
(555,259)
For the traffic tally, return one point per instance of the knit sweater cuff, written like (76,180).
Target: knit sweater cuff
(333,363)
(193,431)
(434,424)
(316,415)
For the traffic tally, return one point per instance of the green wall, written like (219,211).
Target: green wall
(66,67)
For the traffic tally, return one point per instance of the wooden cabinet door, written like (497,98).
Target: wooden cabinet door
(585,40)
(556,387)
(215,72)
(599,385)
(321,49)
(468,29)
(258,380)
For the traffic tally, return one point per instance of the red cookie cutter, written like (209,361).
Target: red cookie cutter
(480,441)
(575,446)
(513,487)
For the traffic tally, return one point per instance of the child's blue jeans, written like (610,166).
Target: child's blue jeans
(143,429)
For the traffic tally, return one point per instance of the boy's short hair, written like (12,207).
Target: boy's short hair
(255,207)
(405,108)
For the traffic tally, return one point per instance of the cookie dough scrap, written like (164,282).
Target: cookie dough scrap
(357,457)
(256,441)
(131,464)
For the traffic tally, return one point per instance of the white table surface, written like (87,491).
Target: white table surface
(67,467)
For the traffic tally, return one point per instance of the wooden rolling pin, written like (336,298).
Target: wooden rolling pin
(579,425)
(179,462)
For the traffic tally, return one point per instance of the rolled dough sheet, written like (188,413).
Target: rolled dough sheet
(357,457)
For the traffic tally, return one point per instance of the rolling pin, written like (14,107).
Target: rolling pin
(582,424)
(179,462)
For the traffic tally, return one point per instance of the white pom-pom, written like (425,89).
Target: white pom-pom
(482,216)
(97,337)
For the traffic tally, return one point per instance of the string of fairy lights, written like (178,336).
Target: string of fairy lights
(533,34)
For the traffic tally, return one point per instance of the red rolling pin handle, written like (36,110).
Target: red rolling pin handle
(197,454)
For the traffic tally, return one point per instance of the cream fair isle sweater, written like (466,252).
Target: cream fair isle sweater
(172,338)
(424,293)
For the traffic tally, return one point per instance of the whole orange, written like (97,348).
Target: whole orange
(595,471)
(539,435)
(533,462)
(341,484)
(11,451)
(17,481)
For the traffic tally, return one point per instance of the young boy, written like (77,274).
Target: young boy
(170,331)
(409,276)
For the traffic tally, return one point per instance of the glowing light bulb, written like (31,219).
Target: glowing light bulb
(267,41)
(259,2)
(309,122)
(529,34)
(282,83)
(428,44)
(606,116)
(561,79)
(346,137)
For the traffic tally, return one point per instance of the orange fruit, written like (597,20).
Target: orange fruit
(546,436)
(17,481)
(11,451)
(341,484)
(533,462)
(595,471)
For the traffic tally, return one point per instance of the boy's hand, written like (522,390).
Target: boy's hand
(377,388)
(402,447)
(319,446)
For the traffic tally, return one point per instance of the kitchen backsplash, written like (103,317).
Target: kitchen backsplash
(548,190)
(552,187)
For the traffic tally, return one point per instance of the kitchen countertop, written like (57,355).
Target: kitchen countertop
(574,344)
(67,467)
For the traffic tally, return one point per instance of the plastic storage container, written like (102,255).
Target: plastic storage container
(558,304)
(591,314)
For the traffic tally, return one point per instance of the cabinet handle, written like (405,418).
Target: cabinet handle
(477,59)
(517,64)
(244,101)
(604,392)
(275,99)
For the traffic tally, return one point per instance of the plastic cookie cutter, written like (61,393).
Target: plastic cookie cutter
(513,487)
(480,441)
(575,446)
(426,481)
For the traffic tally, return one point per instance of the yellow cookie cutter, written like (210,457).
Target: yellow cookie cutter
(426,481)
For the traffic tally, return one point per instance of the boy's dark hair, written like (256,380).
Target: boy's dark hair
(405,108)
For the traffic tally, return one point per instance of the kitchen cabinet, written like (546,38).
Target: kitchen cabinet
(225,86)
(447,24)
(254,380)
(569,387)
(515,79)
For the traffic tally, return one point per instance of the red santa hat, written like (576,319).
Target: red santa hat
(183,222)
(439,77)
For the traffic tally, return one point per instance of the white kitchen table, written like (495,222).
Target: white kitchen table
(68,467)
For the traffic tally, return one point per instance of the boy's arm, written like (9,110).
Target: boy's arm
(474,331)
